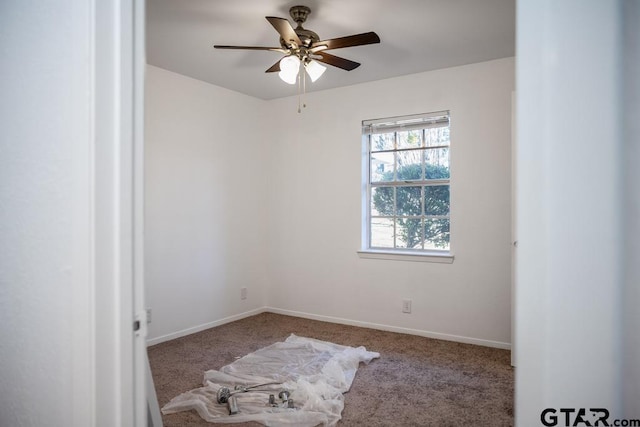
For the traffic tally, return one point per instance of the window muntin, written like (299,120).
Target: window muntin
(408,183)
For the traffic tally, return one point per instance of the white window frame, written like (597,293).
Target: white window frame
(398,124)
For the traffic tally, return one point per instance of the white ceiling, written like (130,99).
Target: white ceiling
(416,36)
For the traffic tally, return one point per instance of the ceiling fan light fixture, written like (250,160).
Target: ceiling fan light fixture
(299,44)
(289,66)
(290,63)
(314,69)
(289,78)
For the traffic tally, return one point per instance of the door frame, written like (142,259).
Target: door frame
(119,318)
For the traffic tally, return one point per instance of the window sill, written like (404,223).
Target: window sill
(442,258)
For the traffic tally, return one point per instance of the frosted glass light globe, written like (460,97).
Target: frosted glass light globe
(314,69)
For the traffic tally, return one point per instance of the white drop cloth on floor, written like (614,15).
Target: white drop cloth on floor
(315,373)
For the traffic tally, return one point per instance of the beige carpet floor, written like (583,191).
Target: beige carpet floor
(416,381)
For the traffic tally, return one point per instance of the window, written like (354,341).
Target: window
(407,200)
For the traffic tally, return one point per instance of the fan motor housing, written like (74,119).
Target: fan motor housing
(299,13)
(307,37)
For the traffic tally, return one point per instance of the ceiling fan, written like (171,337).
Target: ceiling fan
(304,48)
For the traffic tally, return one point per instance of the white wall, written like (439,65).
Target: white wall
(576,336)
(205,203)
(316,208)
(288,226)
(66,340)
(44,214)
(44,252)
(631,177)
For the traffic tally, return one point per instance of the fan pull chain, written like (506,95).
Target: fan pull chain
(299,89)
(304,88)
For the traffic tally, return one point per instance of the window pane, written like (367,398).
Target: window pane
(408,201)
(409,182)
(436,136)
(409,165)
(437,163)
(382,141)
(381,167)
(382,201)
(436,233)
(381,233)
(436,200)
(409,233)
(410,139)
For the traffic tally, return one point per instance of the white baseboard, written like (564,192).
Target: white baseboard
(409,331)
(194,329)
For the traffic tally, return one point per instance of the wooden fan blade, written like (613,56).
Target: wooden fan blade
(273,49)
(274,68)
(336,61)
(284,28)
(349,41)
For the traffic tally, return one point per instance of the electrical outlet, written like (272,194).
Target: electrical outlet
(406,306)
(148,315)
(243,293)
